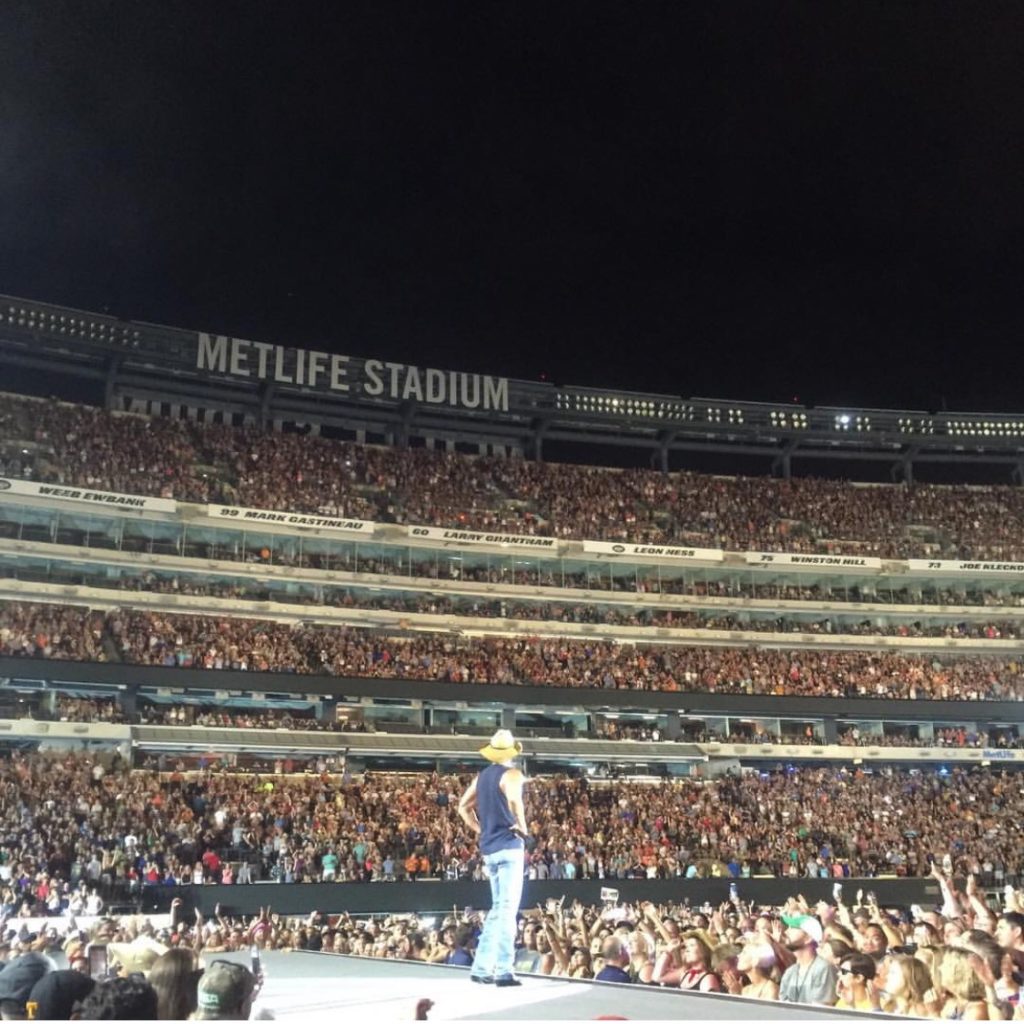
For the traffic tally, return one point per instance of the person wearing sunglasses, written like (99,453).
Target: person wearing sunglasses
(853,987)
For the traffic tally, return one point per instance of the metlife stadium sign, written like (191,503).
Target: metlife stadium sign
(372,378)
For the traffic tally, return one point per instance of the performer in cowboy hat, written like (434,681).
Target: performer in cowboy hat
(492,807)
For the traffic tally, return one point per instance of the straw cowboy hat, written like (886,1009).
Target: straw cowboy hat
(503,747)
(137,956)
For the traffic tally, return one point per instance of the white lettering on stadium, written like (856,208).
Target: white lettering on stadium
(500,538)
(55,492)
(338,524)
(123,500)
(258,515)
(923,565)
(613,549)
(992,567)
(308,368)
(838,561)
(827,560)
(470,537)
(667,552)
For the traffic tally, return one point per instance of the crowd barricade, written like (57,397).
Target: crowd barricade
(428,896)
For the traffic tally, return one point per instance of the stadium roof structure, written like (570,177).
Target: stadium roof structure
(177,372)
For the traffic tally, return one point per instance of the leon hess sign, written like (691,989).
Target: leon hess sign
(399,382)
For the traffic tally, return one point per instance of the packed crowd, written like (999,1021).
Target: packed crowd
(674,619)
(242,589)
(957,738)
(924,594)
(73,825)
(234,718)
(404,562)
(961,959)
(148,968)
(51,631)
(80,709)
(84,709)
(183,641)
(952,737)
(644,579)
(948,738)
(83,446)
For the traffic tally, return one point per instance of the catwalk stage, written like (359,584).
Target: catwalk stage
(357,988)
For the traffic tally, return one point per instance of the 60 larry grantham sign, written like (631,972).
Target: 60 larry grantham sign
(309,368)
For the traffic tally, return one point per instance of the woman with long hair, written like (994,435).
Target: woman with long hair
(1008,985)
(641,960)
(757,962)
(906,987)
(176,980)
(580,963)
(856,973)
(686,964)
(963,991)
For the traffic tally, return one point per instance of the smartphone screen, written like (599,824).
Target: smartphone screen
(98,966)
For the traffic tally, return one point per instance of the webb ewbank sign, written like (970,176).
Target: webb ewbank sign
(258,360)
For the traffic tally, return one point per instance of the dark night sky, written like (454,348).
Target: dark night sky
(751,200)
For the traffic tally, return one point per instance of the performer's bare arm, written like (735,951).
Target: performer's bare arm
(512,786)
(512,783)
(467,808)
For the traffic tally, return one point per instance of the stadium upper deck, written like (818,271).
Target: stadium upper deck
(305,503)
(180,372)
(89,458)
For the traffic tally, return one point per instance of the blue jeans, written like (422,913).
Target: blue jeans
(496,950)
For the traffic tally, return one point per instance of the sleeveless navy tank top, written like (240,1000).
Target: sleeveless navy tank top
(496,820)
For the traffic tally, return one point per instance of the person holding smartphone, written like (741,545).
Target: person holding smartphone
(492,807)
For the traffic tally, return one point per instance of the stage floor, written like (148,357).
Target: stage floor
(356,988)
